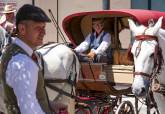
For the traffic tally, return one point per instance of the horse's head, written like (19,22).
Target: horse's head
(147,55)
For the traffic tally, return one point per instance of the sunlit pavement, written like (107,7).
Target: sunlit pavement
(142,108)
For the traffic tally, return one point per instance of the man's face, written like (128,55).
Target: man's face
(97,26)
(10,16)
(32,33)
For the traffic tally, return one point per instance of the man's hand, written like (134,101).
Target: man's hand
(91,55)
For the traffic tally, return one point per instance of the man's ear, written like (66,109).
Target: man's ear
(21,29)
(132,25)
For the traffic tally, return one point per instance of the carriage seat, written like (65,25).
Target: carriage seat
(120,57)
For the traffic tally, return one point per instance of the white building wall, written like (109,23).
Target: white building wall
(18,3)
(120,4)
(51,32)
(21,2)
(67,7)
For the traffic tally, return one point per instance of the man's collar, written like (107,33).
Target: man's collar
(100,33)
(23,45)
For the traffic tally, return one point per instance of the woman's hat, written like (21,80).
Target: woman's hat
(9,9)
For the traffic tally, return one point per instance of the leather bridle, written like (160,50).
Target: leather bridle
(158,61)
(142,38)
(156,68)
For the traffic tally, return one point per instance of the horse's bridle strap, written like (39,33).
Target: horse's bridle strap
(143,74)
(146,37)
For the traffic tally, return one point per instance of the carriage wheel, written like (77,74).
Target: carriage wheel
(125,107)
(81,109)
(102,110)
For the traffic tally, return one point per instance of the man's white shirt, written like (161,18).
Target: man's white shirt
(101,49)
(22,76)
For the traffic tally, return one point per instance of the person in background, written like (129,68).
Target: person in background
(97,42)
(9,15)
(3,33)
(7,25)
(21,69)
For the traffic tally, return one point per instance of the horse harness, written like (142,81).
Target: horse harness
(158,60)
(142,38)
(69,80)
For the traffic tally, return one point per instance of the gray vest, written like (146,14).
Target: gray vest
(10,98)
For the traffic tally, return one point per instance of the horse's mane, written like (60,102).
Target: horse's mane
(158,59)
(70,45)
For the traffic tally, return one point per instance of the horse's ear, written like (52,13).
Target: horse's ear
(132,25)
(161,34)
(158,24)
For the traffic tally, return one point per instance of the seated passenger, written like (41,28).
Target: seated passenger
(97,43)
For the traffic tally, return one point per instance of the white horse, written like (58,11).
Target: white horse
(148,60)
(61,70)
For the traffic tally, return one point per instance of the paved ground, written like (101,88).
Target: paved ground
(142,108)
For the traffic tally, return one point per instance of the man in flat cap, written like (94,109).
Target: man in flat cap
(21,73)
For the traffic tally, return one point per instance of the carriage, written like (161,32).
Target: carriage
(104,79)
(100,87)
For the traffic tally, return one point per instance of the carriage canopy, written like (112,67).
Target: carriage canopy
(78,25)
